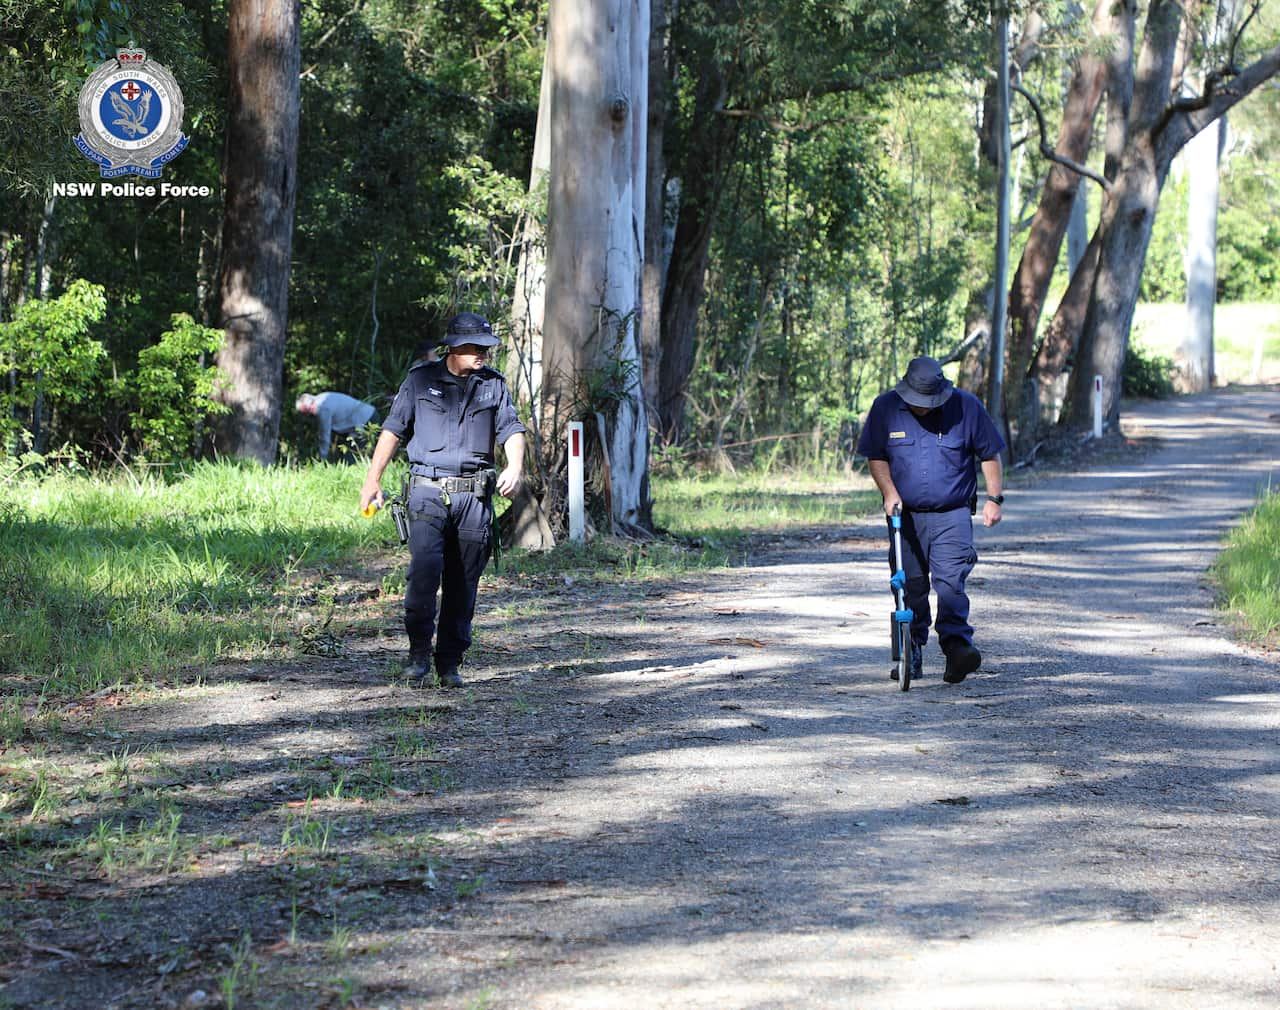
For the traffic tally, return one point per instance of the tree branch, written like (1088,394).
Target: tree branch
(977,334)
(1049,152)
(782,126)
(1185,118)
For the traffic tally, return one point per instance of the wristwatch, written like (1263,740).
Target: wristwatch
(997,498)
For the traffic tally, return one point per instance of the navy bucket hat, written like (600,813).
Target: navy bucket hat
(924,385)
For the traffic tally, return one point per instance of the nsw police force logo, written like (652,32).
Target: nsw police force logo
(131,116)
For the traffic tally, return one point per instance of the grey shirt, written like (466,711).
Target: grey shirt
(339,413)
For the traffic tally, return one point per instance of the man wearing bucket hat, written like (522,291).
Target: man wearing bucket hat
(924,442)
(450,413)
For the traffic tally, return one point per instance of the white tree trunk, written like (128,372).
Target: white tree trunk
(599,89)
(1202,154)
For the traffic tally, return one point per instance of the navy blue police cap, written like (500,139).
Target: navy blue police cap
(469,328)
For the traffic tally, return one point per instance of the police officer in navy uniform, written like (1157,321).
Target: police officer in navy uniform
(450,413)
(924,441)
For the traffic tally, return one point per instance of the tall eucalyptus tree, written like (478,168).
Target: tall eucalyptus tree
(599,58)
(1159,124)
(260,184)
(1049,225)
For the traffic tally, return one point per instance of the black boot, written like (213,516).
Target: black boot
(418,670)
(447,671)
(962,660)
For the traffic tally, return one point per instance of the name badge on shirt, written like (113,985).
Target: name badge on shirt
(897,434)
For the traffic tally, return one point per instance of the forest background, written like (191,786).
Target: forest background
(828,209)
(851,225)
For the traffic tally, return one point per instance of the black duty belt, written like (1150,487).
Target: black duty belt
(454,485)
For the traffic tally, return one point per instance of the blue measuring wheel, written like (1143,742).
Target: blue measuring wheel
(900,619)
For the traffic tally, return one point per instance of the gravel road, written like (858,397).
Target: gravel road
(706,793)
(1088,822)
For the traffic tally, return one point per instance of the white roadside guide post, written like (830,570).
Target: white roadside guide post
(1097,406)
(577,518)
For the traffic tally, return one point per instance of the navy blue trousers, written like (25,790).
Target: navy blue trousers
(938,547)
(448,549)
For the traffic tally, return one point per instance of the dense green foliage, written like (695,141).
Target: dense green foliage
(851,220)
(49,354)
(1147,374)
(1248,233)
(173,390)
(397,98)
(853,265)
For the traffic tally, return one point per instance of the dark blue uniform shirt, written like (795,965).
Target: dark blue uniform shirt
(451,424)
(932,459)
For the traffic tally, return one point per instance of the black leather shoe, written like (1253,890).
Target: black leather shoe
(962,660)
(917,664)
(449,677)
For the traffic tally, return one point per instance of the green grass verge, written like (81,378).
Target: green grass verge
(709,522)
(116,578)
(728,508)
(1249,569)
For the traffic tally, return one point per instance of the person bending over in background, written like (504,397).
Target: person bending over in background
(335,414)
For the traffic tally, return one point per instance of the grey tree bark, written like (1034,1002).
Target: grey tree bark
(1049,225)
(44,291)
(1078,229)
(1062,335)
(1157,128)
(714,139)
(655,217)
(260,187)
(528,305)
(999,313)
(596,220)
